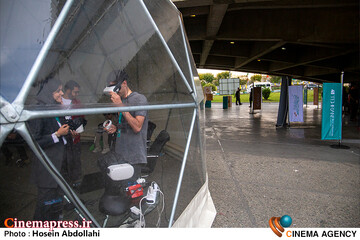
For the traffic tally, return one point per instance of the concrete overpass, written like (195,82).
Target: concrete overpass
(304,39)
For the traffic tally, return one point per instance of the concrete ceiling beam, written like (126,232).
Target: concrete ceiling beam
(307,26)
(315,55)
(257,52)
(217,13)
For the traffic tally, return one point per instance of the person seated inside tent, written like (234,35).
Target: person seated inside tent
(15,140)
(131,127)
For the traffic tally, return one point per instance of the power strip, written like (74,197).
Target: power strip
(152,193)
(135,210)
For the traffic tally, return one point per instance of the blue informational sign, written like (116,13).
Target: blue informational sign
(331,123)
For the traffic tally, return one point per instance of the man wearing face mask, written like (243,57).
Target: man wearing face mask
(131,127)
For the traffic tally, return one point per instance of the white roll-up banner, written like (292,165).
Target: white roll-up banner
(296,104)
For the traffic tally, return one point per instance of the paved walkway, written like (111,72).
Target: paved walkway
(257,171)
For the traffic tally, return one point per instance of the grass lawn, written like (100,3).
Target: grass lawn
(274,97)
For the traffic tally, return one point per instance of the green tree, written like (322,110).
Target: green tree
(266,93)
(243,81)
(275,79)
(208,77)
(213,87)
(223,75)
(255,78)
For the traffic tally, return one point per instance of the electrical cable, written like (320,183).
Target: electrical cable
(141,216)
(163,206)
(142,222)
(162,183)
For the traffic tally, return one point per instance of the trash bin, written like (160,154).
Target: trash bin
(229,101)
(208,104)
(225,102)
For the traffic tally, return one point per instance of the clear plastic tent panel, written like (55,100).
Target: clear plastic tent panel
(168,21)
(24,28)
(96,38)
(102,36)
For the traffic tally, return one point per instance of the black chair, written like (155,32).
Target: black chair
(155,150)
(150,131)
(114,201)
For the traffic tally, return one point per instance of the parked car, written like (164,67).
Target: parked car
(311,86)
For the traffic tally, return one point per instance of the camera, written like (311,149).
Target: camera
(75,123)
(107,124)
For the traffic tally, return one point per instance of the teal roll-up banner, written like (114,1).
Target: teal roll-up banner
(331,112)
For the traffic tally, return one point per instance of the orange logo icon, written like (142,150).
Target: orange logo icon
(280,223)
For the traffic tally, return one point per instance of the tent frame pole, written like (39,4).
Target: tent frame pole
(182,168)
(187,52)
(192,92)
(40,154)
(31,114)
(20,99)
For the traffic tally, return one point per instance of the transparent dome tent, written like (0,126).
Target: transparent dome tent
(84,41)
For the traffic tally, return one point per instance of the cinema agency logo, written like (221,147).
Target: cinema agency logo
(278,226)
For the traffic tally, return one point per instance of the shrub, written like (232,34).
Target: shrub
(213,87)
(266,93)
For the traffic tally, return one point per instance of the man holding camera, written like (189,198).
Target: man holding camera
(71,167)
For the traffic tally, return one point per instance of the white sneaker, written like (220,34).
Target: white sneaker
(96,150)
(105,150)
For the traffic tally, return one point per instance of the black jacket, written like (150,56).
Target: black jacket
(42,130)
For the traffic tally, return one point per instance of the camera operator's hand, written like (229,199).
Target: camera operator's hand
(115,98)
(74,133)
(111,130)
(63,130)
